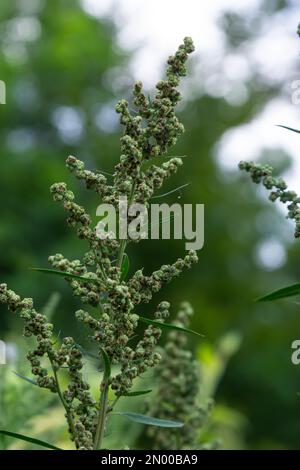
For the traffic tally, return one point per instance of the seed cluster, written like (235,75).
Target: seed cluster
(79,405)
(97,281)
(178,377)
(264,174)
(142,287)
(151,132)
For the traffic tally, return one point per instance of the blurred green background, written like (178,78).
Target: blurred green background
(65,70)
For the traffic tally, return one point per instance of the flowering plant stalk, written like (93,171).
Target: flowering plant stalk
(263,174)
(180,399)
(278,187)
(99,278)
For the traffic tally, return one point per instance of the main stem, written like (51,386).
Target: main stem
(124,242)
(103,404)
(59,392)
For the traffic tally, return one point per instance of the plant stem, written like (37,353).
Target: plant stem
(102,414)
(121,253)
(124,242)
(103,403)
(63,401)
(115,402)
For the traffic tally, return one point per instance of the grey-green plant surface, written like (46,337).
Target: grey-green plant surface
(179,400)
(98,279)
(278,187)
(279,191)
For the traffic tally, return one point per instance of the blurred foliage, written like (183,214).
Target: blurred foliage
(64,73)
(20,402)
(226,426)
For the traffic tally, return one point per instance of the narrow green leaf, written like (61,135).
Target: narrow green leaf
(104,172)
(124,267)
(160,222)
(64,274)
(143,419)
(29,439)
(172,191)
(137,393)
(27,379)
(160,157)
(168,325)
(107,367)
(51,305)
(87,353)
(288,291)
(289,128)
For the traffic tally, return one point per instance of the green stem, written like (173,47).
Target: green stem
(124,242)
(100,265)
(63,401)
(115,402)
(103,405)
(121,253)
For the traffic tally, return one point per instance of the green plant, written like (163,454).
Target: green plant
(15,395)
(279,191)
(278,187)
(99,278)
(180,399)
(192,383)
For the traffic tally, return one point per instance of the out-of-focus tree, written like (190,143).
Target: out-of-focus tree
(58,64)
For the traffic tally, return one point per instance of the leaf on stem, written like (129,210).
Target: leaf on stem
(32,440)
(172,191)
(51,305)
(64,274)
(87,353)
(150,421)
(27,379)
(124,267)
(137,393)
(288,291)
(159,222)
(168,325)
(107,367)
(289,128)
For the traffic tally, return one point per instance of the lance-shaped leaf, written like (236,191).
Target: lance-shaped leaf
(150,421)
(86,352)
(106,361)
(27,379)
(32,440)
(158,159)
(65,274)
(137,393)
(172,191)
(124,267)
(159,222)
(289,128)
(168,326)
(51,305)
(283,293)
